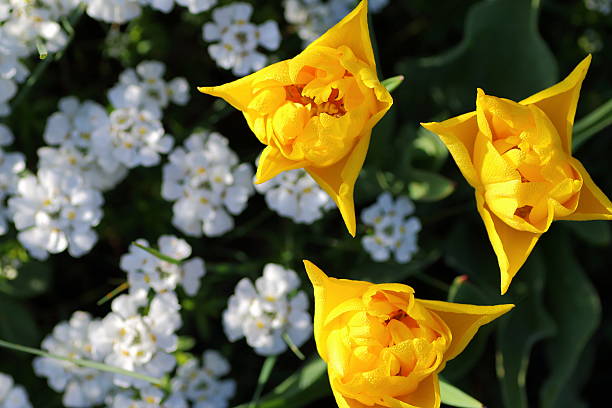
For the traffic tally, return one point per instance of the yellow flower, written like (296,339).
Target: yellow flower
(316,111)
(384,347)
(518,157)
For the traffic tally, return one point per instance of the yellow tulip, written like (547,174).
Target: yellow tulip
(384,347)
(316,111)
(518,158)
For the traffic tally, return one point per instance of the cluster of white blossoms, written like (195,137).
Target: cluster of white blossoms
(313,17)
(602,6)
(82,386)
(146,271)
(201,384)
(11,164)
(295,195)
(122,11)
(235,40)
(11,395)
(394,232)
(269,311)
(207,184)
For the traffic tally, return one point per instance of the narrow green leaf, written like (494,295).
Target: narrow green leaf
(454,397)
(80,362)
(591,124)
(576,309)
(158,254)
(264,376)
(295,349)
(111,295)
(392,83)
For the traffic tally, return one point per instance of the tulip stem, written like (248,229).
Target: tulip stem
(264,376)
(293,347)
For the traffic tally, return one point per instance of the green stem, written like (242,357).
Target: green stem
(80,362)
(591,124)
(158,254)
(110,295)
(264,376)
(293,347)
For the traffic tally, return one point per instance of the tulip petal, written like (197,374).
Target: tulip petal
(459,135)
(511,246)
(427,395)
(559,102)
(329,293)
(463,321)
(338,180)
(593,203)
(344,402)
(272,163)
(351,31)
(241,92)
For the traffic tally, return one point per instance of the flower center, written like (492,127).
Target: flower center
(334,106)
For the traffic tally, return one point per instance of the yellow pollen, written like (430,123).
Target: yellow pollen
(203,200)
(260,325)
(270,298)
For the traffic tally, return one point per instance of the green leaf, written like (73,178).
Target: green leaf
(430,145)
(300,389)
(593,232)
(426,186)
(591,124)
(33,279)
(80,362)
(264,376)
(17,323)
(576,309)
(506,60)
(158,254)
(392,83)
(521,329)
(454,397)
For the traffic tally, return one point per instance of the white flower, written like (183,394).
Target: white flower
(602,6)
(137,342)
(267,311)
(164,6)
(394,232)
(235,39)
(145,89)
(113,11)
(137,138)
(11,395)
(294,194)
(11,164)
(82,386)
(197,6)
(54,212)
(207,184)
(202,385)
(145,271)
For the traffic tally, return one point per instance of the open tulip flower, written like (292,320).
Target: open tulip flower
(384,347)
(316,111)
(518,157)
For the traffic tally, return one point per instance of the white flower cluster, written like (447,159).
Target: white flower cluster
(269,310)
(25,26)
(122,11)
(202,384)
(11,164)
(207,183)
(236,40)
(82,386)
(295,195)
(602,6)
(394,232)
(313,17)
(11,395)
(146,271)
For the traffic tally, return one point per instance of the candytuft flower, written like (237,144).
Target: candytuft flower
(384,347)
(518,157)
(317,110)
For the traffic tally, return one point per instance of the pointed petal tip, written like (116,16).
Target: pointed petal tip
(316,275)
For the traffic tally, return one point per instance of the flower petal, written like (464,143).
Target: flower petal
(427,395)
(593,203)
(241,92)
(511,246)
(353,32)
(329,293)
(338,180)
(272,163)
(459,134)
(559,102)
(463,321)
